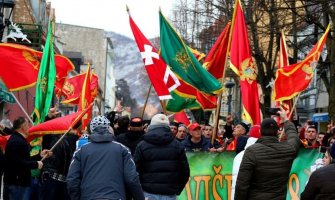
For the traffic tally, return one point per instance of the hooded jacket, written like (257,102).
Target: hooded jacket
(103,169)
(161,162)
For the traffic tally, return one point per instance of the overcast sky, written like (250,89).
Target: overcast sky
(111,15)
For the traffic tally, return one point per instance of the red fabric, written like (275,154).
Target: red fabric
(24,62)
(86,98)
(232,146)
(156,68)
(73,87)
(55,126)
(58,125)
(215,61)
(3,141)
(255,131)
(242,64)
(181,117)
(298,76)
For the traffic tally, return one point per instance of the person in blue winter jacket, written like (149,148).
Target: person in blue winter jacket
(103,168)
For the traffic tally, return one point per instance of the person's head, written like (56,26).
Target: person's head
(329,155)
(311,133)
(320,137)
(195,130)
(331,141)
(182,132)
(100,125)
(269,127)
(21,125)
(208,131)
(159,120)
(240,129)
(174,127)
(136,124)
(123,122)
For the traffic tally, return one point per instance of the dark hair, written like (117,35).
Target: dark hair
(18,122)
(123,122)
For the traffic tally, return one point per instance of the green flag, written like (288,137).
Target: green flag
(179,102)
(45,81)
(182,62)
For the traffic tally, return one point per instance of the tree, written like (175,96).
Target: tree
(302,21)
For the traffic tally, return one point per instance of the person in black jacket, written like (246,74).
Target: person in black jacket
(103,168)
(161,161)
(321,183)
(266,165)
(18,163)
(133,136)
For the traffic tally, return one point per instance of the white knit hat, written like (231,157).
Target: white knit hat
(99,121)
(160,119)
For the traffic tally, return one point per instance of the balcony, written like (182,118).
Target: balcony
(34,33)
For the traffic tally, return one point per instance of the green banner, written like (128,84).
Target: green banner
(211,175)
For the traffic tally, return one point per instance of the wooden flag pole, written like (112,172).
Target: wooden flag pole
(146,101)
(218,108)
(23,110)
(81,115)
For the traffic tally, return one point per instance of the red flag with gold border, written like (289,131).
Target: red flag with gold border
(242,64)
(72,88)
(215,61)
(293,79)
(24,62)
(283,61)
(86,98)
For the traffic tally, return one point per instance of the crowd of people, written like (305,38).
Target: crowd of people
(131,158)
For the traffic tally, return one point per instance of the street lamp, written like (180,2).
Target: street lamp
(229,85)
(4,20)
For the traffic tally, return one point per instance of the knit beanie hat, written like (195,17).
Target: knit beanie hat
(99,121)
(160,119)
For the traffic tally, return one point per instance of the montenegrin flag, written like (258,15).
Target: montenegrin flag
(24,62)
(293,79)
(215,61)
(72,88)
(242,64)
(86,98)
(159,73)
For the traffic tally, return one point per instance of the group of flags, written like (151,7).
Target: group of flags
(174,71)
(178,76)
(23,67)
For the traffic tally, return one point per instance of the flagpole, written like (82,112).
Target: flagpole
(17,101)
(146,101)
(81,115)
(290,114)
(218,108)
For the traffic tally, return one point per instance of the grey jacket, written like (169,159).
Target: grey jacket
(265,167)
(103,169)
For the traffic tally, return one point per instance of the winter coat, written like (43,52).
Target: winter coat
(265,167)
(130,139)
(103,169)
(203,145)
(161,162)
(18,162)
(320,184)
